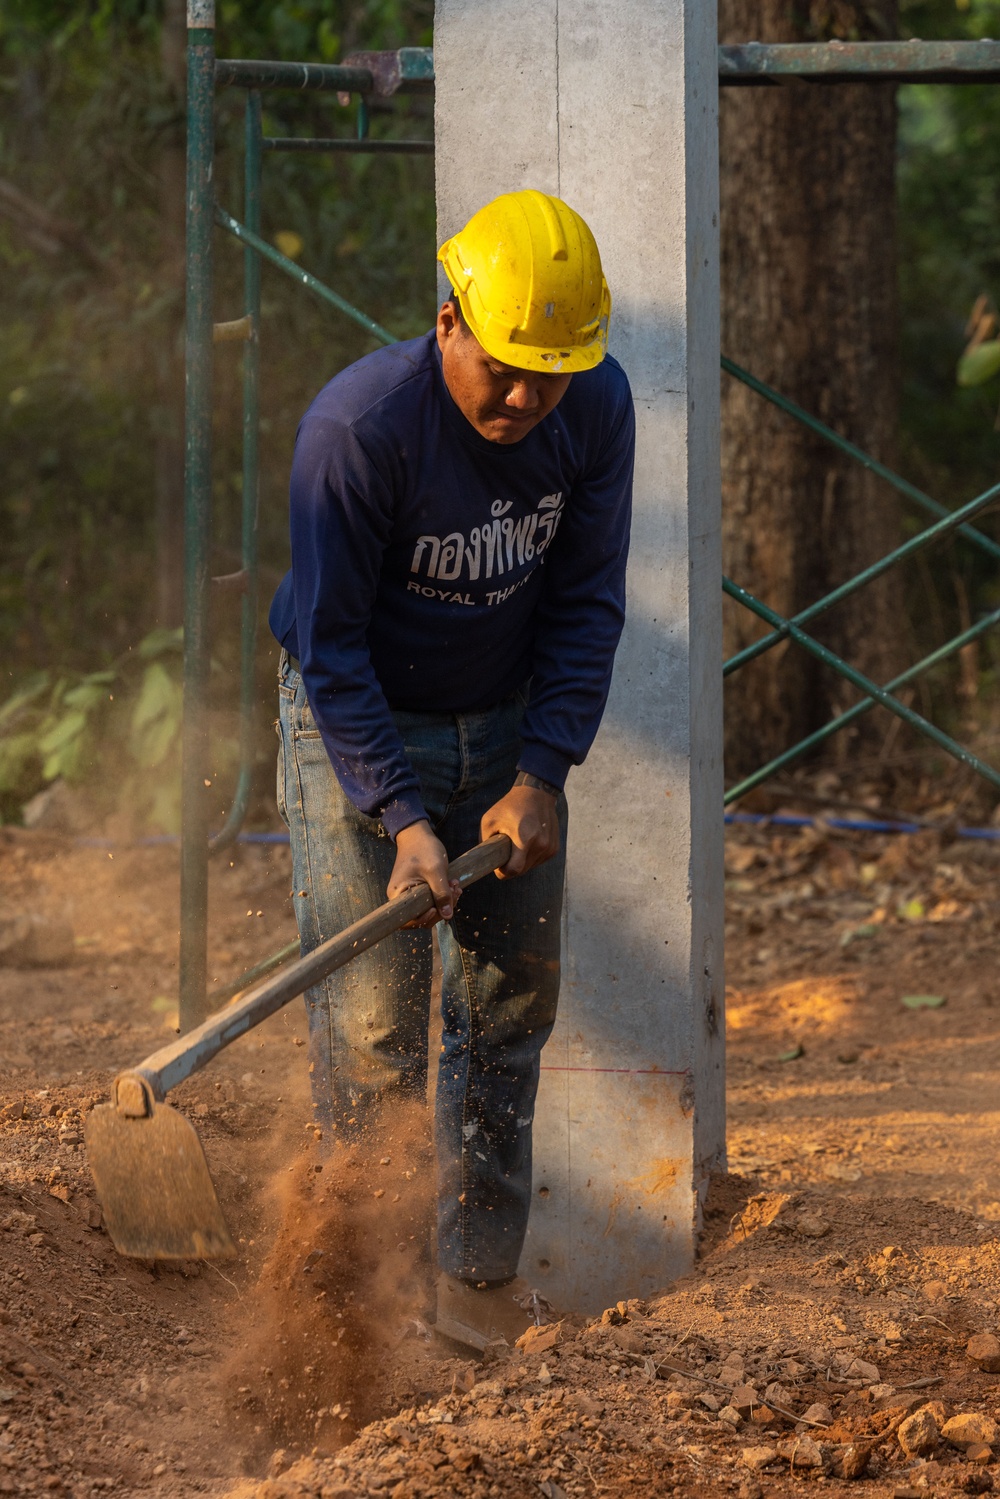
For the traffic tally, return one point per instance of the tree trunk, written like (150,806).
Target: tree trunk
(167,418)
(809,307)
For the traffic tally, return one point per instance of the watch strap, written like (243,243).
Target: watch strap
(524,778)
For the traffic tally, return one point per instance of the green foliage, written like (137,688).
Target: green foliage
(155,717)
(946,20)
(105,730)
(979,364)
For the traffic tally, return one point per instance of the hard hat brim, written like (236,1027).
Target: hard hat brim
(545,361)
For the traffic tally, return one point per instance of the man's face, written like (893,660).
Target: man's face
(502,403)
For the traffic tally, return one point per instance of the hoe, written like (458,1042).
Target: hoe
(152,1177)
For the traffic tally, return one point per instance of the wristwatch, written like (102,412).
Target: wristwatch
(536,783)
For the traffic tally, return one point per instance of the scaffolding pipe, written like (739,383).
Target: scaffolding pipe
(901,485)
(774,64)
(834,725)
(745,64)
(251,476)
(197,511)
(302,76)
(868,688)
(407,70)
(954,521)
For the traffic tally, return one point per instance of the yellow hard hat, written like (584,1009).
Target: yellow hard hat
(528,276)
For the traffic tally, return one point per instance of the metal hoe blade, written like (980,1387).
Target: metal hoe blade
(154,1185)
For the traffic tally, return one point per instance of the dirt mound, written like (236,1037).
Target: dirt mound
(812,1328)
(845,1264)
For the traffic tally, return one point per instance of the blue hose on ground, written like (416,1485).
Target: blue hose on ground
(752,819)
(843,824)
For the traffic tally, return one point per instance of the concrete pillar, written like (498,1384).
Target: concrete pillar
(614,109)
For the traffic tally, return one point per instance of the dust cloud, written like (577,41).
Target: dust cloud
(348,1276)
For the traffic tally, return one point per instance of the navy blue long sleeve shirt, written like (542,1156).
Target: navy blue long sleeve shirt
(435,570)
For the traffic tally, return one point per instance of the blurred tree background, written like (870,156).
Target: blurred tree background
(91,344)
(91,303)
(810,306)
(853,300)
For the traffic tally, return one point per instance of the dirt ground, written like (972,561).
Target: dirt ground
(846,1261)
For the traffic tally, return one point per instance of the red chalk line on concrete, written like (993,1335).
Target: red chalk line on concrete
(626,1071)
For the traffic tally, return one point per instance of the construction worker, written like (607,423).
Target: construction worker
(460,510)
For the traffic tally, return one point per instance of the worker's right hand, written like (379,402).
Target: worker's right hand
(421,859)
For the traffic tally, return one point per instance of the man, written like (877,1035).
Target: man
(459,518)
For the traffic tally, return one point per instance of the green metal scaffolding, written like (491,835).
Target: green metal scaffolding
(371,75)
(379,76)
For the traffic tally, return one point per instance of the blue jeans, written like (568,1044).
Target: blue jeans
(368,1022)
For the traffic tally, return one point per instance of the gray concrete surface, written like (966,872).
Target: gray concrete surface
(614,109)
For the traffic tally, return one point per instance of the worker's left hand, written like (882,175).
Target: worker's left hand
(528,817)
